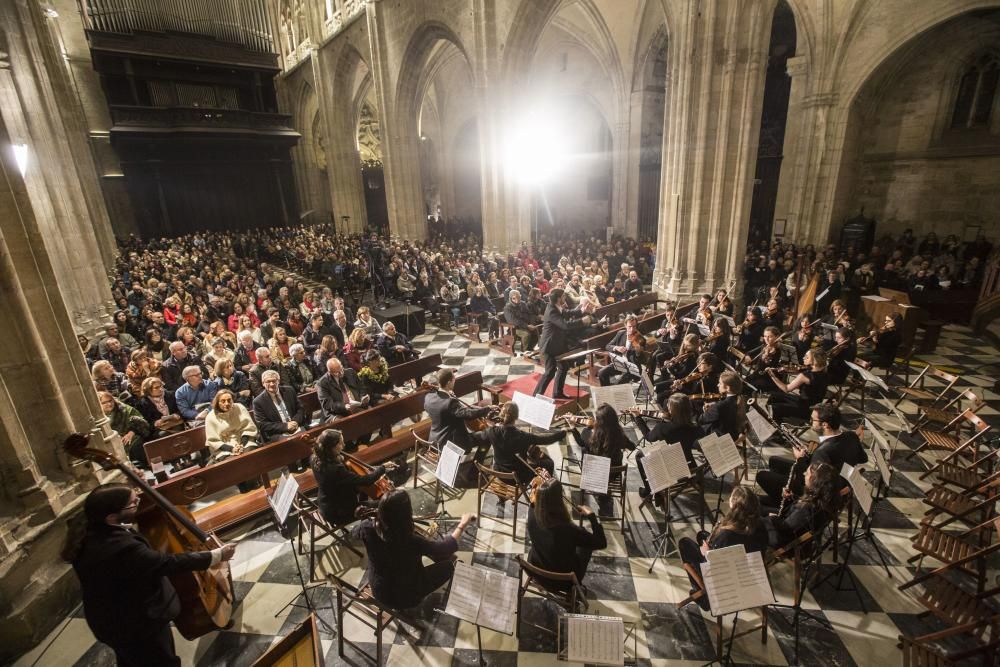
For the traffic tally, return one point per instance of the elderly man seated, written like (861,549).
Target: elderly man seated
(265,363)
(276,409)
(117,355)
(394,346)
(172,371)
(298,369)
(193,393)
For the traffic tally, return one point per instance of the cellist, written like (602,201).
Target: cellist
(127,600)
(339,486)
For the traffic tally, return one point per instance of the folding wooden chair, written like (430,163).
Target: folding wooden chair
(970,506)
(922,652)
(951,603)
(953,443)
(505,487)
(917,391)
(362,605)
(720,635)
(965,552)
(803,552)
(424,452)
(311,522)
(570,596)
(939,417)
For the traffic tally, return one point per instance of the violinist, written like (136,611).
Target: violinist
(398,577)
(811,383)
(448,415)
(669,338)
(838,316)
(844,349)
(127,599)
(704,316)
(773,316)
(722,304)
(769,357)
(804,337)
(605,438)
(627,343)
(557,543)
(728,414)
(338,486)
(720,340)
(509,442)
(702,380)
(750,332)
(886,341)
(682,363)
(677,426)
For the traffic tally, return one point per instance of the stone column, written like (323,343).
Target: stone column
(400,149)
(715,86)
(620,175)
(798,143)
(812,155)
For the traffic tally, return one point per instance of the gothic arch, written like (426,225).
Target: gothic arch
(415,61)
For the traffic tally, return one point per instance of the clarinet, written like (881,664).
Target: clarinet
(799,468)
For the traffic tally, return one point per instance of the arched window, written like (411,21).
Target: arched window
(977,93)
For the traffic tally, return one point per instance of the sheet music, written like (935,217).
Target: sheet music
(665,465)
(735,580)
(868,375)
(448,461)
(875,297)
(466,593)
(762,428)
(862,488)
(595,640)
(721,452)
(618,396)
(595,473)
(822,294)
(879,447)
(647,383)
(499,601)
(534,411)
(288,486)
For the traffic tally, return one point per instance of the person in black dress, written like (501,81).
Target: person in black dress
(741,525)
(127,599)
(844,349)
(396,572)
(606,437)
(509,442)
(677,426)
(374,377)
(558,544)
(803,338)
(811,384)
(886,341)
(722,336)
(728,414)
(751,331)
(338,486)
(810,513)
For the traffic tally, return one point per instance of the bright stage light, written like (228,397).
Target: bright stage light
(536,149)
(21,157)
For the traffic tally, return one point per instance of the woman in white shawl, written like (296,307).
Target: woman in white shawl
(229,429)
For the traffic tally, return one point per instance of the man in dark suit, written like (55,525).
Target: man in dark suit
(336,389)
(265,363)
(448,415)
(395,347)
(276,409)
(557,325)
(313,334)
(173,367)
(621,345)
(340,329)
(272,322)
(127,599)
(836,447)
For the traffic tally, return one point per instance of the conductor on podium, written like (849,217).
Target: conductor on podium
(558,325)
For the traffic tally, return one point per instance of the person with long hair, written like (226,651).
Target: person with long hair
(742,524)
(128,601)
(509,442)
(728,414)
(396,572)
(811,512)
(606,437)
(338,486)
(158,407)
(678,426)
(357,344)
(811,383)
(558,544)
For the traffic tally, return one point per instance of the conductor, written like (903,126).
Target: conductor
(557,326)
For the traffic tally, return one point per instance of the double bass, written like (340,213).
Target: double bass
(206,596)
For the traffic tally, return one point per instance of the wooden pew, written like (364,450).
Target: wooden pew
(414,370)
(646,326)
(635,303)
(193,484)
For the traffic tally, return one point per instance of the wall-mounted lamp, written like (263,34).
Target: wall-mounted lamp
(21,157)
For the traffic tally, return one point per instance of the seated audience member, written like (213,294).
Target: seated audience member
(280,344)
(276,409)
(328,349)
(139,368)
(229,429)
(301,375)
(374,378)
(113,331)
(517,313)
(480,308)
(395,347)
(265,362)
(398,577)
(227,377)
(510,442)
(116,354)
(340,330)
(558,544)
(158,407)
(246,352)
(180,358)
(129,424)
(336,389)
(155,346)
(314,333)
(810,513)
(106,378)
(367,322)
(195,392)
(340,489)
(742,524)
(219,352)
(357,344)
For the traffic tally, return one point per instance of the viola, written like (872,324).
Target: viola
(206,596)
(382,485)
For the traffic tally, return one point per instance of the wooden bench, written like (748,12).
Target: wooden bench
(633,304)
(194,484)
(414,370)
(646,326)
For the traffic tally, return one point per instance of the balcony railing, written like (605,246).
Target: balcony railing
(131,118)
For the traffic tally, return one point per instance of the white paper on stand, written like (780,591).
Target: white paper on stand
(534,411)
(284,494)
(466,593)
(735,580)
(483,596)
(618,396)
(879,447)
(721,452)
(595,640)
(596,471)
(868,375)
(762,428)
(862,488)
(449,460)
(665,465)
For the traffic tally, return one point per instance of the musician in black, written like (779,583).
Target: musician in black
(629,344)
(448,415)
(810,513)
(703,379)
(681,364)
(668,340)
(677,425)
(339,487)
(886,341)
(398,577)
(811,383)
(836,447)
(558,544)
(510,442)
(844,349)
(750,332)
(728,414)
(742,524)
(767,358)
(774,316)
(127,599)
(606,437)
(558,326)
(720,340)
(802,339)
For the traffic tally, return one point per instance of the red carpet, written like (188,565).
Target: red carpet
(526,385)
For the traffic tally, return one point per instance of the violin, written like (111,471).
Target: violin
(792,369)
(707,397)
(382,485)
(677,359)
(837,349)
(423,526)
(694,376)
(579,420)
(648,414)
(873,336)
(206,596)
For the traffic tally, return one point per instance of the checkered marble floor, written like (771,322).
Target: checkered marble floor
(618,579)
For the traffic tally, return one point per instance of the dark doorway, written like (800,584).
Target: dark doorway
(374,182)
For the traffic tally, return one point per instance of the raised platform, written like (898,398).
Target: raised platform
(577,401)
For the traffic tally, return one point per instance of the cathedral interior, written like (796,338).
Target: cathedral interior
(173,167)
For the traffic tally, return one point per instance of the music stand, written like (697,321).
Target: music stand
(571,356)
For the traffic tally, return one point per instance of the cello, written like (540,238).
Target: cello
(382,485)
(206,596)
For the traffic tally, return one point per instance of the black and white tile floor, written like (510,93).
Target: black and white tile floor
(618,581)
